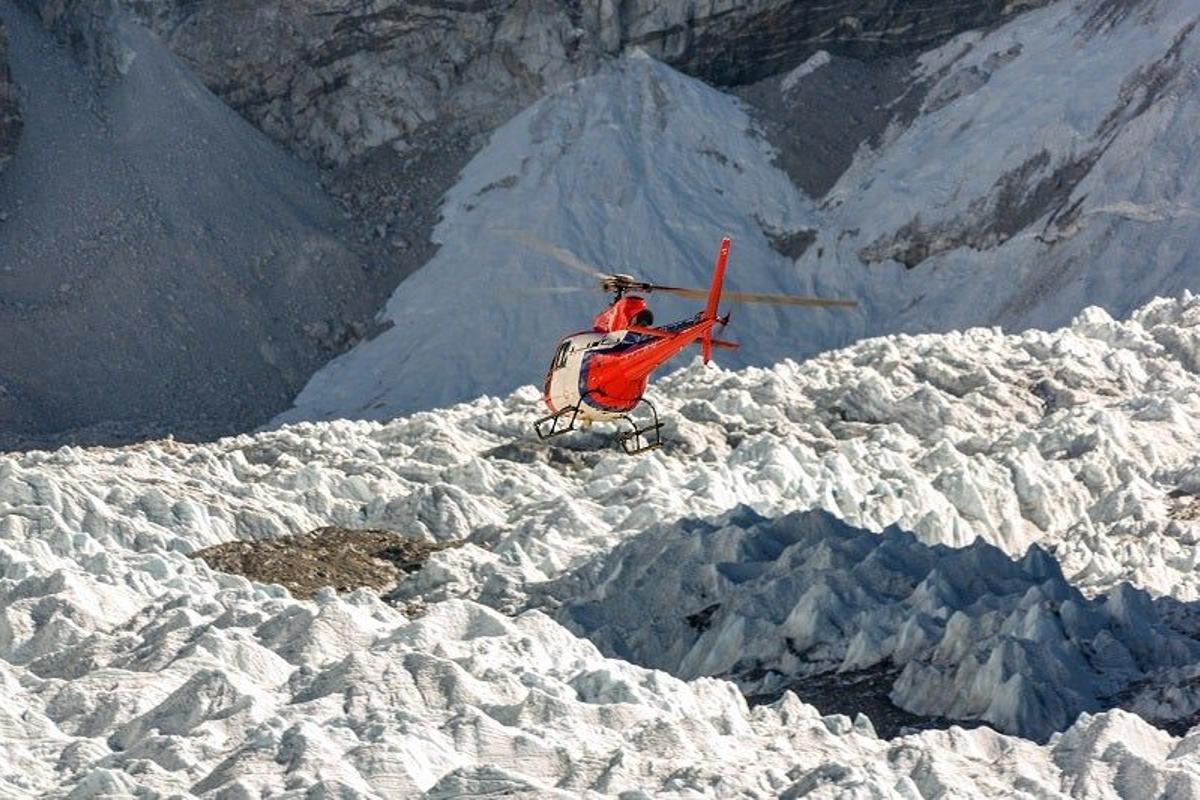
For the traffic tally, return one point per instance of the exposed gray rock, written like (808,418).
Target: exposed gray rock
(1107,14)
(792,244)
(1017,200)
(735,45)
(1040,188)
(10,109)
(817,124)
(87,27)
(1147,85)
(334,79)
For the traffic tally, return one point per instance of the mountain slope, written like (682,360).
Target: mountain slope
(1052,166)
(1023,169)
(637,169)
(334,80)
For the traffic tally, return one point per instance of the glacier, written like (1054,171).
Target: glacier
(1031,498)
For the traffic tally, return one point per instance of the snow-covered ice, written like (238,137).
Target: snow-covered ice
(127,666)
(978,635)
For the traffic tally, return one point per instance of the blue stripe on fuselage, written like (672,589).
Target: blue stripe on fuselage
(630,343)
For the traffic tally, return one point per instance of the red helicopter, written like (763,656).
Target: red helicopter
(601,375)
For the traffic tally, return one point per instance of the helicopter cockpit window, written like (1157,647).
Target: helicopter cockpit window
(560,358)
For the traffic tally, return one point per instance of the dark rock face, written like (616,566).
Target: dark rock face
(87,26)
(730,46)
(839,106)
(1041,187)
(1017,200)
(10,109)
(334,80)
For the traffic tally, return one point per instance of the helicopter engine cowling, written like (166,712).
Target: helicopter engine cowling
(629,310)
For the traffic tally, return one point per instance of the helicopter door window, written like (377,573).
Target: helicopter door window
(560,359)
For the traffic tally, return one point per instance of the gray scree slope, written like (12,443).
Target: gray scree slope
(159,257)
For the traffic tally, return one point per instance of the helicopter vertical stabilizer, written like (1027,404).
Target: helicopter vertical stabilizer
(714,296)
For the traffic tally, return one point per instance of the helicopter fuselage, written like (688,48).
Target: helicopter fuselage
(603,372)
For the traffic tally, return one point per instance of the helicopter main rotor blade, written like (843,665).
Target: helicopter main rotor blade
(620,283)
(550,289)
(787,300)
(559,254)
(760,297)
(694,294)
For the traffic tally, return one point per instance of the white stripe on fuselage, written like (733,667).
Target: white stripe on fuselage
(564,381)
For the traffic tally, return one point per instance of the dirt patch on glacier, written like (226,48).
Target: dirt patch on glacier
(340,558)
(864,692)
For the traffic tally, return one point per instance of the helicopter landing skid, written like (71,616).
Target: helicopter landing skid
(548,426)
(640,440)
(633,441)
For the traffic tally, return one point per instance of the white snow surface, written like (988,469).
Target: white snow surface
(641,169)
(127,667)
